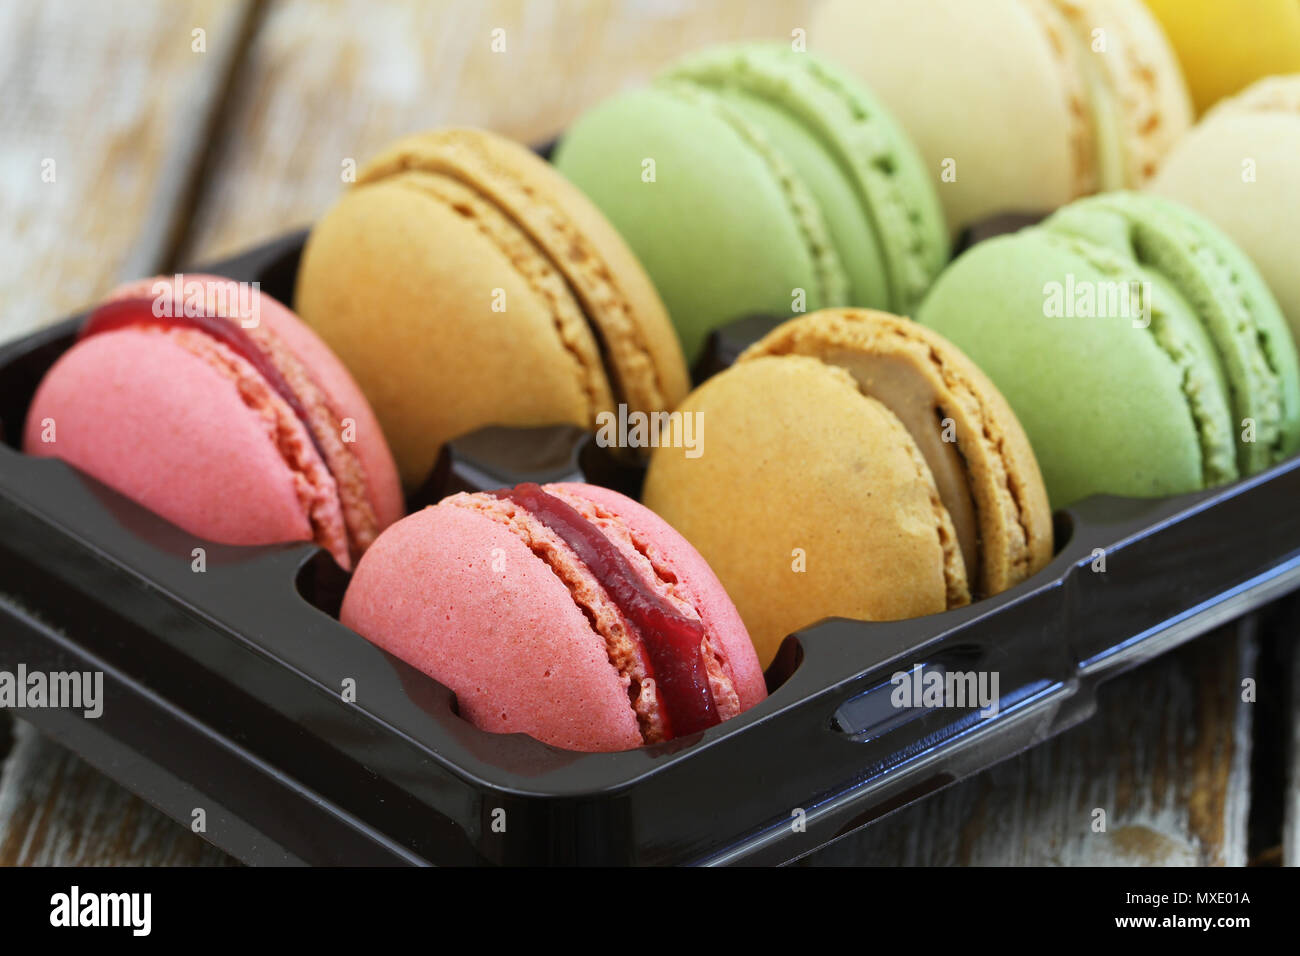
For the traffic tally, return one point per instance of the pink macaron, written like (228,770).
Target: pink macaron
(212,405)
(567,611)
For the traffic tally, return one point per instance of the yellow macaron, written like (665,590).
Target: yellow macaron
(466,283)
(855,464)
(1225,46)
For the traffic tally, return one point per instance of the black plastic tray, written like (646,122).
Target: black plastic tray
(222,688)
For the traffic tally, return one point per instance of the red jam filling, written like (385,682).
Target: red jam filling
(137,311)
(670,640)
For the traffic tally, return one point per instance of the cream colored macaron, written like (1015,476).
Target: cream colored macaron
(853,464)
(1240,168)
(1016,105)
(466,283)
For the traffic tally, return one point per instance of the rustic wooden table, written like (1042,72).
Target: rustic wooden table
(138,140)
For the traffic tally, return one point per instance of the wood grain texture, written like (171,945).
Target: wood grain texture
(101,116)
(328,82)
(1166,756)
(56,810)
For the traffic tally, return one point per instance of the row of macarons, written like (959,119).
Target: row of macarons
(854,464)
(464,282)
(812,169)
(756,179)
(569,611)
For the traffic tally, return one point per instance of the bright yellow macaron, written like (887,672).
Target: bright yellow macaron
(1225,46)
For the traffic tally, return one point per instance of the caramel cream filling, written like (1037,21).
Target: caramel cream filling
(895,383)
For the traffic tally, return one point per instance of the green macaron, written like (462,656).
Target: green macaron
(1138,346)
(755,178)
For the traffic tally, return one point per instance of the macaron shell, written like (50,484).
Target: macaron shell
(1102,401)
(809,501)
(156,422)
(1239,313)
(401,283)
(866,175)
(975,84)
(345,397)
(463,599)
(717,612)
(1000,471)
(1224,47)
(716,198)
(1239,169)
(634,329)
